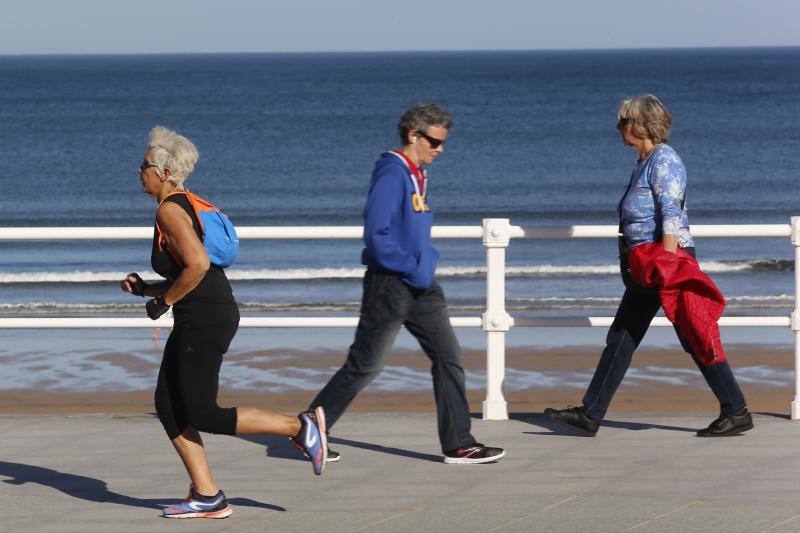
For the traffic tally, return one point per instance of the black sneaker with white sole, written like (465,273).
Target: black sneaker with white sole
(575,419)
(728,425)
(473,454)
(333,456)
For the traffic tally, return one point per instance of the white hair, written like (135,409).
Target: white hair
(172,151)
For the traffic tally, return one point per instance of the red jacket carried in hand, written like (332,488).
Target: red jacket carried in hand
(690,299)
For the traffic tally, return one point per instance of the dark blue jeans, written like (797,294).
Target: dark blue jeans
(388,304)
(636,311)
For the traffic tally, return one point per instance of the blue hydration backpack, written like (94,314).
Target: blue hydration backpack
(219,235)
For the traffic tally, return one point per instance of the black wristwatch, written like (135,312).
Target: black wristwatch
(156,307)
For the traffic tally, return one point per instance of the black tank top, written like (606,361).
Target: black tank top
(211,302)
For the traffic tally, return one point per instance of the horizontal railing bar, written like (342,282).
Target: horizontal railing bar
(295,232)
(457,232)
(703,230)
(244,232)
(356,232)
(350,322)
(605,321)
(246,322)
(74,233)
(742,230)
(563,232)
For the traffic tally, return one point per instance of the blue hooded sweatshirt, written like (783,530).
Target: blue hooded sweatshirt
(397,238)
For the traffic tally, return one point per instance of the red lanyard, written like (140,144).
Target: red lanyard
(418,173)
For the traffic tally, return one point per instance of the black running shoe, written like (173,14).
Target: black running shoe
(728,425)
(333,456)
(575,419)
(473,454)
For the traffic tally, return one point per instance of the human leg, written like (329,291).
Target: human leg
(255,421)
(720,379)
(734,417)
(429,322)
(199,353)
(635,312)
(173,417)
(189,446)
(167,396)
(385,304)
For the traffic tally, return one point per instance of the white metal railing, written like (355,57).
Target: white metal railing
(495,321)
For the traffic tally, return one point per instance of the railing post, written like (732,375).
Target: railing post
(496,322)
(795,223)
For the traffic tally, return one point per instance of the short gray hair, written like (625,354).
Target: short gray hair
(651,120)
(169,150)
(421,117)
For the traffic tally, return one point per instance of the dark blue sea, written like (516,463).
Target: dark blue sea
(290,139)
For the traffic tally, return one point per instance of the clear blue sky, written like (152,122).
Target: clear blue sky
(156,26)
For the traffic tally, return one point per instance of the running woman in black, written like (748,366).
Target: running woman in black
(206,319)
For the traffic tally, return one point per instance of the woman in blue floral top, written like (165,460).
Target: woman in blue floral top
(653,209)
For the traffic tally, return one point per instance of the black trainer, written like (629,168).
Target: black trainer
(333,456)
(728,425)
(473,454)
(575,419)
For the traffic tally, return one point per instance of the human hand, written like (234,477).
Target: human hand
(133,284)
(156,307)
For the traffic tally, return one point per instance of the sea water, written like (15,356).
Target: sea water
(290,139)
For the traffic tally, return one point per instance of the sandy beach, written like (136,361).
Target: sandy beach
(637,394)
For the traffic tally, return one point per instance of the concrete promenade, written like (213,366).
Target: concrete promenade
(643,473)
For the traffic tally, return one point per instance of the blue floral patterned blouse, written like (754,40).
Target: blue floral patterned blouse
(655,200)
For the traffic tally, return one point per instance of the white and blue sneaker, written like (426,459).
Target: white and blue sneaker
(313,439)
(197,506)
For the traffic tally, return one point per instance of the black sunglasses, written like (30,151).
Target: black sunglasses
(145,165)
(433,141)
(623,122)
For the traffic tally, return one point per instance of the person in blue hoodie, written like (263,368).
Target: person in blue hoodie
(400,288)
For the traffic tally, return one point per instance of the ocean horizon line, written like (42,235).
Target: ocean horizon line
(331,53)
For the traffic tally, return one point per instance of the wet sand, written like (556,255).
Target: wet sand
(632,396)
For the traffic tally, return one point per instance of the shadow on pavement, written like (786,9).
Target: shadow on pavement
(385,449)
(783,416)
(638,426)
(276,446)
(556,429)
(281,448)
(541,420)
(95,490)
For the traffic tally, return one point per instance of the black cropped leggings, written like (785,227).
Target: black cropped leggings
(186,393)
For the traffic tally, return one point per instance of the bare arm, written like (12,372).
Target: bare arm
(157,289)
(150,289)
(670,243)
(182,240)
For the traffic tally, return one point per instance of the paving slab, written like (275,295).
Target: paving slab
(644,472)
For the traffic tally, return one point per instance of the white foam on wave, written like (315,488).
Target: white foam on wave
(290,274)
(545,303)
(75,276)
(80,276)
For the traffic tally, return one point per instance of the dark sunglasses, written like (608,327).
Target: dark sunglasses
(433,141)
(623,122)
(146,164)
